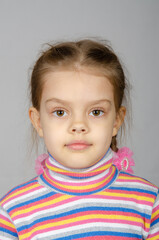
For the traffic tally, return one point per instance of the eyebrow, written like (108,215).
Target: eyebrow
(57,100)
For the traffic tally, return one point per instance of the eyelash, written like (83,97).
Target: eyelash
(101,112)
(59,110)
(92,113)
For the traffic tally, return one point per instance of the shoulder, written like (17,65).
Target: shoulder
(136,183)
(21,191)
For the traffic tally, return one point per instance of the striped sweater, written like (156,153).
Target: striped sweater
(95,203)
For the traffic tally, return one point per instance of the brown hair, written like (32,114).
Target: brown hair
(91,54)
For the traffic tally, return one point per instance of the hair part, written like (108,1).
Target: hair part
(78,55)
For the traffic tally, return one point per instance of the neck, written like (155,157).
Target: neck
(80,181)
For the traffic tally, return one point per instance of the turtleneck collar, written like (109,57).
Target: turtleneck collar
(80,181)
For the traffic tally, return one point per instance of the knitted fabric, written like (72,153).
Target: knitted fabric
(95,203)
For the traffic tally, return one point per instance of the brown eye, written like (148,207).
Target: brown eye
(59,113)
(96,113)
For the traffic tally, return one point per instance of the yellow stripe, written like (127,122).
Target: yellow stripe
(154,238)
(66,171)
(81,218)
(37,206)
(7,223)
(20,191)
(81,187)
(137,197)
(133,178)
(155,214)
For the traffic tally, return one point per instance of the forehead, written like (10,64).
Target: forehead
(76,85)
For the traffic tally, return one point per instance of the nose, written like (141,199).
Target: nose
(79,127)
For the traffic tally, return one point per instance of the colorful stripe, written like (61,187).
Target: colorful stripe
(105,204)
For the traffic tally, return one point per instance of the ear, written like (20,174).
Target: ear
(34,116)
(119,120)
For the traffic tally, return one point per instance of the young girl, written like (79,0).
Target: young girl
(85,189)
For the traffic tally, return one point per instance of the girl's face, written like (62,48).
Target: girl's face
(77,117)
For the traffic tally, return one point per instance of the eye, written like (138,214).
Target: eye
(97,113)
(60,113)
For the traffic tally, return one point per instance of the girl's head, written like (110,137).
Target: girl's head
(77,90)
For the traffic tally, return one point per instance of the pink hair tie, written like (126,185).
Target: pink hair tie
(122,159)
(40,163)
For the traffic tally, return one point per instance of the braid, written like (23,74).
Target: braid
(114,144)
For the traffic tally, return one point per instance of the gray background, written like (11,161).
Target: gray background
(132,27)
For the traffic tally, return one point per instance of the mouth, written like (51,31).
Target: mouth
(78,145)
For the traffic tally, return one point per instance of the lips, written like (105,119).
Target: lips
(78,145)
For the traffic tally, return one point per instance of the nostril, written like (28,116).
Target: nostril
(78,130)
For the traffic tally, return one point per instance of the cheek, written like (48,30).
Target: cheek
(104,130)
(53,133)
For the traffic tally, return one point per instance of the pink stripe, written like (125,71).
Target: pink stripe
(45,207)
(4,218)
(98,186)
(135,180)
(73,199)
(4,225)
(87,174)
(96,213)
(83,183)
(92,172)
(108,238)
(121,199)
(156,209)
(67,225)
(139,194)
(22,194)
(154,235)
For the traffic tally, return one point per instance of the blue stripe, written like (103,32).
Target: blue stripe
(81,193)
(126,173)
(134,189)
(147,182)
(14,234)
(36,199)
(101,233)
(18,187)
(80,210)
(79,177)
(155,222)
